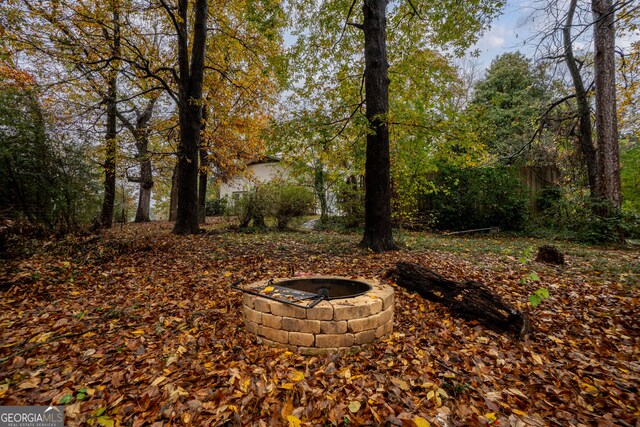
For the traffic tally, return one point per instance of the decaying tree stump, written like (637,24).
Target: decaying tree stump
(469,300)
(550,254)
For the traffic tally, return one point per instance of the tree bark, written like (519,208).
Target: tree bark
(609,186)
(203,175)
(203,172)
(144,197)
(585,137)
(173,198)
(469,300)
(106,216)
(377,229)
(321,192)
(191,75)
(140,132)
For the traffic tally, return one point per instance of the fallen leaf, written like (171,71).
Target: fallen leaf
(402,384)
(32,382)
(296,376)
(293,421)
(421,422)
(354,406)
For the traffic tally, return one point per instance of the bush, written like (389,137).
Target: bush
(216,207)
(350,201)
(249,206)
(467,198)
(579,217)
(286,201)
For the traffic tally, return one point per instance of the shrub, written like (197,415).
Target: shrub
(579,217)
(467,198)
(286,201)
(350,202)
(216,207)
(248,206)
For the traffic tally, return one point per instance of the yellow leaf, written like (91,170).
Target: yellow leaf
(105,421)
(588,388)
(234,408)
(354,406)
(537,359)
(402,384)
(293,421)
(138,332)
(296,376)
(227,273)
(421,422)
(287,386)
(519,412)
(3,389)
(431,394)
(268,289)
(491,416)
(158,380)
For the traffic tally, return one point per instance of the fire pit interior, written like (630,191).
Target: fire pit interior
(318,314)
(328,287)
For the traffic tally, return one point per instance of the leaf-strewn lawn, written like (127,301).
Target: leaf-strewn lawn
(139,327)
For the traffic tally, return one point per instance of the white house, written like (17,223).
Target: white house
(263,170)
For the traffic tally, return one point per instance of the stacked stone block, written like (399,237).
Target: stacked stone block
(331,326)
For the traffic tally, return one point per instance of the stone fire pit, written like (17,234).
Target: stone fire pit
(354,312)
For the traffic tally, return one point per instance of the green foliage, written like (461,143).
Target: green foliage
(249,206)
(536,298)
(216,207)
(278,199)
(581,218)
(630,224)
(531,277)
(630,177)
(350,201)
(467,198)
(509,101)
(48,183)
(285,201)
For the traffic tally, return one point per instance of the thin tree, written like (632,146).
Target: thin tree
(140,131)
(585,137)
(608,186)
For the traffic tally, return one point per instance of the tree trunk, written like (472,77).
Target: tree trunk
(191,75)
(203,171)
(173,200)
(321,192)
(469,300)
(146,183)
(202,186)
(585,138)
(609,186)
(111,148)
(377,228)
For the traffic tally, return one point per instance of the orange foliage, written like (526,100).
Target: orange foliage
(12,77)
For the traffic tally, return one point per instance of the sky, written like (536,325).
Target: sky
(510,30)
(507,34)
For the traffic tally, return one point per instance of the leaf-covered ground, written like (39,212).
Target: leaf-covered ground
(139,327)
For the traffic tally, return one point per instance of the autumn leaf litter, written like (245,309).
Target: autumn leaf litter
(139,327)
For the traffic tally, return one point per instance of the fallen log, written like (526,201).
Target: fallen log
(469,300)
